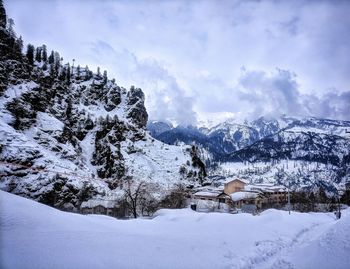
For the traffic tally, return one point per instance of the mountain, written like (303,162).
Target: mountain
(306,151)
(68,134)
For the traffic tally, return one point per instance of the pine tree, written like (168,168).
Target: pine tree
(98,71)
(63,74)
(38,54)
(78,72)
(30,54)
(11,24)
(51,58)
(68,76)
(88,73)
(57,62)
(105,77)
(18,46)
(52,71)
(44,56)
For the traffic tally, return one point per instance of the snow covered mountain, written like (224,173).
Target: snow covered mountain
(67,133)
(228,137)
(240,149)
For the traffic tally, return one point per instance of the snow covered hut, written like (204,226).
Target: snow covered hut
(104,207)
(211,200)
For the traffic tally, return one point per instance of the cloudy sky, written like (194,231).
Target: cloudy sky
(199,60)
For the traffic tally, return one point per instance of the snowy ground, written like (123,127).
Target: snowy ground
(36,236)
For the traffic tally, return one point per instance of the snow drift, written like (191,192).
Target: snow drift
(37,236)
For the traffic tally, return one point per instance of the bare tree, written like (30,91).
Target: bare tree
(139,198)
(176,198)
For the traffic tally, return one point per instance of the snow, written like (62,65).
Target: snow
(10,94)
(155,161)
(240,195)
(96,202)
(46,122)
(36,236)
(208,193)
(296,173)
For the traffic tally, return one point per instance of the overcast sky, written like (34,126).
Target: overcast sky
(200,60)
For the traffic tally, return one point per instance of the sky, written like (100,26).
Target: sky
(206,60)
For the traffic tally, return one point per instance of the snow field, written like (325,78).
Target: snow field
(36,236)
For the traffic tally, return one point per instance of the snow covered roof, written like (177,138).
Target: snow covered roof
(208,193)
(96,202)
(265,188)
(236,179)
(237,196)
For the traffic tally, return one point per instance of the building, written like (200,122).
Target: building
(232,186)
(239,195)
(214,195)
(104,207)
(273,194)
(241,199)
(211,200)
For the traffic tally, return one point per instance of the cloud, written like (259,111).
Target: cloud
(165,99)
(258,93)
(188,55)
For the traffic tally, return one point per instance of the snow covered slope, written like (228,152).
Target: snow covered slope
(36,236)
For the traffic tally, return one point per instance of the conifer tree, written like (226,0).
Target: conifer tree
(88,73)
(63,74)
(57,62)
(98,71)
(18,46)
(105,77)
(44,56)
(10,25)
(78,72)
(51,58)
(30,54)
(52,71)
(68,76)
(38,54)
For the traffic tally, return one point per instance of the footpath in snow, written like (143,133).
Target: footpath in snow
(33,235)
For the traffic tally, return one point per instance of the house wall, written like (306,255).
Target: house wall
(86,210)
(257,201)
(278,197)
(118,211)
(233,186)
(100,210)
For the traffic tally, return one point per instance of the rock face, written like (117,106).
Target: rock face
(137,111)
(68,134)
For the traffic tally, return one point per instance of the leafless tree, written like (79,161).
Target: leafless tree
(139,198)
